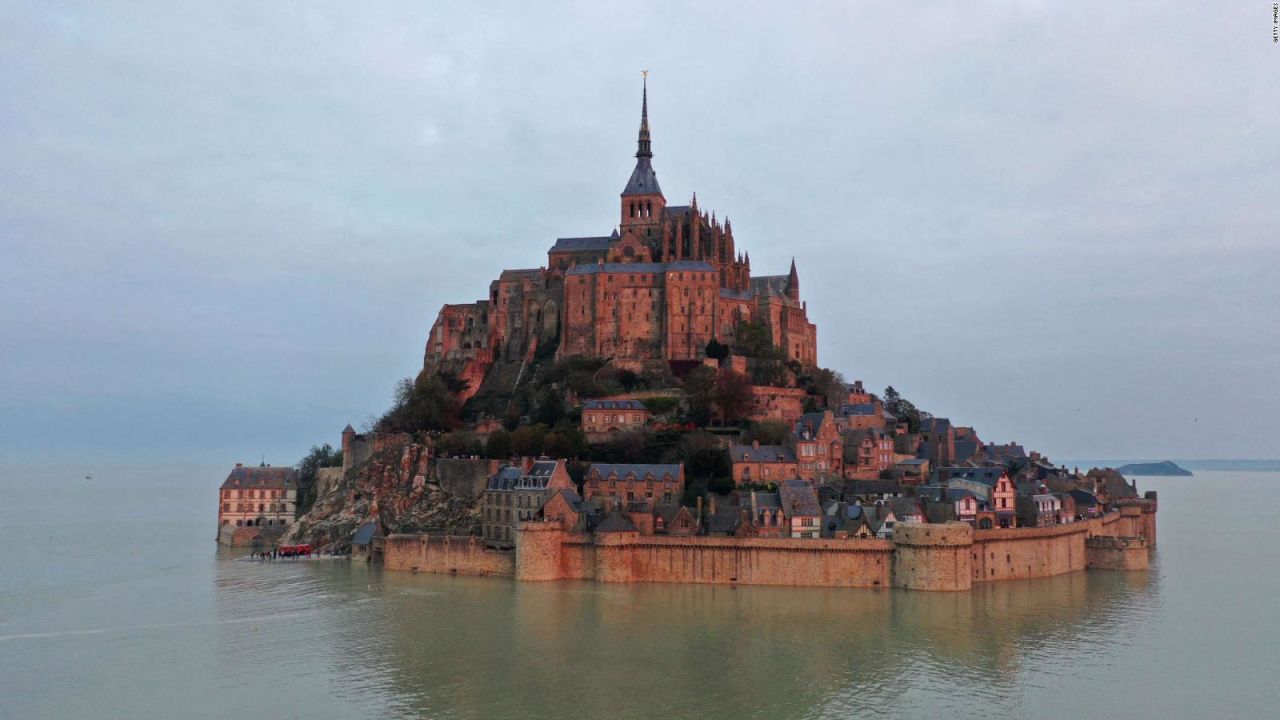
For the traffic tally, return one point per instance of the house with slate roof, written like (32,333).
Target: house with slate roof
(756,463)
(514,495)
(867,453)
(604,418)
(262,496)
(800,506)
(649,484)
(766,516)
(819,448)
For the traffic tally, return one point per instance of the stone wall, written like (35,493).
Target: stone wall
(937,557)
(1117,553)
(933,556)
(1014,554)
(464,477)
(446,554)
(544,552)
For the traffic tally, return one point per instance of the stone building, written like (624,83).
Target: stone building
(799,503)
(649,484)
(605,418)
(756,463)
(497,520)
(261,496)
(658,288)
(819,448)
(513,495)
(867,452)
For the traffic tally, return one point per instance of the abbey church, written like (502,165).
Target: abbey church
(666,282)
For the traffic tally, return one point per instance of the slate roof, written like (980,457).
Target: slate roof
(798,498)
(736,294)
(770,284)
(668,513)
(764,453)
(939,493)
(624,268)
(904,506)
(985,475)
(616,521)
(519,274)
(1083,498)
(505,478)
(874,487)
(643,180)
(364,533)
(810,423)
(639,469)
(572,497)
(762,499)
(725,519)
(581,244)
(275,478)
(613,405)
(858,409)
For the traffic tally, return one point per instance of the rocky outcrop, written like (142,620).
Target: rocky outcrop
(401,488)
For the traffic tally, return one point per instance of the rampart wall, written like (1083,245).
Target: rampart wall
(445,554)
(939,557)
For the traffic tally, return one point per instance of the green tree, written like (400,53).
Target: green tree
(425,403)
(321,456)
(527,440)
(498,446)
(733,395)
(459,443)
(700,386)
(717,350)
(558,446)
(767,432)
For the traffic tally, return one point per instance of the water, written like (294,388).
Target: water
(115,602)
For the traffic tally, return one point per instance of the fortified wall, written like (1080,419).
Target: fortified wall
(924,556)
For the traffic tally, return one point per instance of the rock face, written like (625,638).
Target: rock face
(401,488)
(1161,468)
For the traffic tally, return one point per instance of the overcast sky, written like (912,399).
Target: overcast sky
(227,227)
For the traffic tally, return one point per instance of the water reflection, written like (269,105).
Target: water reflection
(466,647)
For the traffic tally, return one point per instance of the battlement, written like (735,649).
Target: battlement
(923,556)
(933,534)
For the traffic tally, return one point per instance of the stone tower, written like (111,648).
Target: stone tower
(642,199)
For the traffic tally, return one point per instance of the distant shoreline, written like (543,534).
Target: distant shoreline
(1217,465)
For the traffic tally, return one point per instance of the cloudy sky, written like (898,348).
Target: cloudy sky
(227,227)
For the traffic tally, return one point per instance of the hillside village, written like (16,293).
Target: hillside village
(646,382)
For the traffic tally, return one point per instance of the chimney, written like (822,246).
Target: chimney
(699,511)
(239,464)
(755,444)
(713,504)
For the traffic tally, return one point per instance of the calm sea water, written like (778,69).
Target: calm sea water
(115,602)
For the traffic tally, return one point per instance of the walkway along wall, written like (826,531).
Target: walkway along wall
(940,557)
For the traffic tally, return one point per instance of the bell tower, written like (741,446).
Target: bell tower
(642,199)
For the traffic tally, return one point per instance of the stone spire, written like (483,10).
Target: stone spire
(793,282)
(644,181)
(643,149)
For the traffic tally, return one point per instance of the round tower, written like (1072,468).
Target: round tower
(932,556)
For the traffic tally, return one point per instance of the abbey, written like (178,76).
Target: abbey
(665,283)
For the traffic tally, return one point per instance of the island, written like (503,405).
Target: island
(644,406)
(1166,468)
